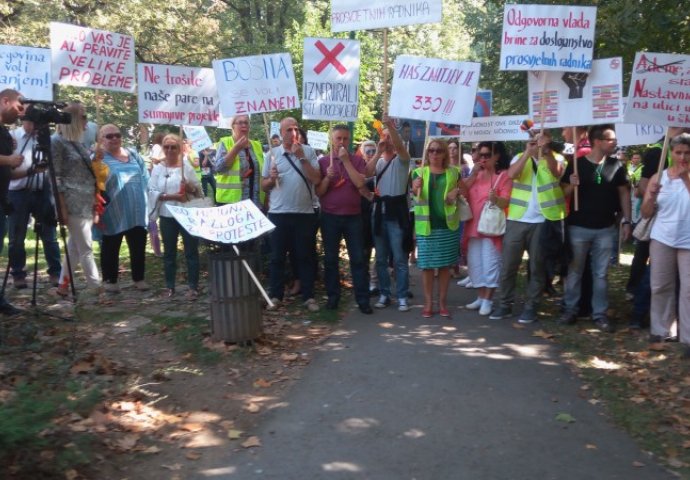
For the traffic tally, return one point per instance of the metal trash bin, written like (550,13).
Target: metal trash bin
(235,298)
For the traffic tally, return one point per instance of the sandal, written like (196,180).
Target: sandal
(427,313)
(444,312)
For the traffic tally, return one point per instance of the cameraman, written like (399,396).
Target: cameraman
(10,109)
(30,194)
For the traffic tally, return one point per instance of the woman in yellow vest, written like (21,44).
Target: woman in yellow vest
(435,186)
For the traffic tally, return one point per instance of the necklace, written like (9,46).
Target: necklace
(597,173)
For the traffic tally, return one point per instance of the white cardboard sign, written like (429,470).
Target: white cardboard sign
(628,134)
(489,129)
(257,84)
(330,87)
(548,37)
(578,98)
(318,140)
(27,70)
(198,136)
(432,89)
(231,223)
(348,15)
(176,95)
(87,57)
(659,90)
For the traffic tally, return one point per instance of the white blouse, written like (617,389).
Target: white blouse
(168,180)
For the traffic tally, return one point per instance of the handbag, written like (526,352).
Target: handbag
(492,220)
(643,229)
(464,209)
(199,202)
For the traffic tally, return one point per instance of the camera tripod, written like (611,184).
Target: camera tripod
(42,165)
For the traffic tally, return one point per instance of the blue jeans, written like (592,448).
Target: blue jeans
(599,243)
(296,231)
(28,203)
(206,182)
(390,240)
(170,232)
(333,229)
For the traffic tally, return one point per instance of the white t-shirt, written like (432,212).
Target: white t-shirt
(167,180)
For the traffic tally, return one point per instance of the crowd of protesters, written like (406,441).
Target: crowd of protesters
(565,205)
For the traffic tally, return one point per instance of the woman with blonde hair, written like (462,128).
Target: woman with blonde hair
(76,184)
(173,180)
(437,219)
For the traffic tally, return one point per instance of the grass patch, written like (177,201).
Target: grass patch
(187,334)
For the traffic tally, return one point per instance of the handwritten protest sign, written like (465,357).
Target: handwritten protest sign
(198,136)
(330,87)
(548,37)
(258,84)
(659,90)
(347,15)
(176,95)
(482,108)
(432,89)
(485,129)
(86,57)
(578,98)
(628,134)
(318,140)
(275,128)
(232,223)
(27,70)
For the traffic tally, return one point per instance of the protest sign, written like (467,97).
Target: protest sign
(485,129)
(258,84)
(176,95)
(330,88)
(347,15)
(578,98)
(628,134)
(231,223)
(659,90)
(86,57)
(548,37)
(275,128)
(482,108)
(27,70)
(198,137)
(432,89)
(318,140)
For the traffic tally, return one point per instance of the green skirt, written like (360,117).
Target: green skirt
(437,250)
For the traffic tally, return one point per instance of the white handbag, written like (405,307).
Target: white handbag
(464,209)
(492,220)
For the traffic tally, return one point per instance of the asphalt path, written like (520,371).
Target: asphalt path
(395,396)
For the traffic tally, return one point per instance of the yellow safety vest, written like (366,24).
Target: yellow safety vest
(229,184)
(549,193)
(422,215)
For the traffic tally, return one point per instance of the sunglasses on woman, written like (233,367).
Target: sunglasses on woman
(434,150)
(170,147)
(484,155)
(110,136)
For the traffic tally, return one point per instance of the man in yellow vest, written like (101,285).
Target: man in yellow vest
(536,197)
(238,164)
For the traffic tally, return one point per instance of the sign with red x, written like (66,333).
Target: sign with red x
(330,89)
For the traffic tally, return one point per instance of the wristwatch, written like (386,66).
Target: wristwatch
(625,221)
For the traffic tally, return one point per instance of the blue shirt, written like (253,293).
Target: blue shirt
(126,188)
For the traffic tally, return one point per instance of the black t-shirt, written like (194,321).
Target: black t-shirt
(650,161)
(598,200)
(6,143)
(6,148)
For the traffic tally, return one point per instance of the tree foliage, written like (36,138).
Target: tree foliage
(194,32)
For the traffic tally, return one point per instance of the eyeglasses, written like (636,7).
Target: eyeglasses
(370,151)
(241,122)
(484,155)
(110,136)
(531,144)
(434,150)
(170,147)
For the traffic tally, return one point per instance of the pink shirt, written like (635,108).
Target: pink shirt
(342,197)
(478,195)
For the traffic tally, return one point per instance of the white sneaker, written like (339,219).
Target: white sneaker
(463,282)
(486,307)
(402,305)
(111,287)
(383,302)
(476,305)
(311,305)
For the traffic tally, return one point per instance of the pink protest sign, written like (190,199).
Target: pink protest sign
(548,37)
(86,57)
(659,90)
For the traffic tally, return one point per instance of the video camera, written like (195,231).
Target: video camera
(41,112)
